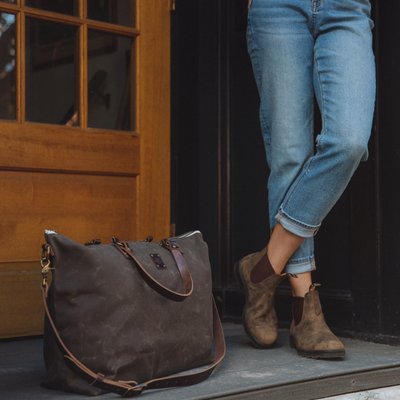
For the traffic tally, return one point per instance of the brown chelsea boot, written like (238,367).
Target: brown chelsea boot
(259,317)
(309,333)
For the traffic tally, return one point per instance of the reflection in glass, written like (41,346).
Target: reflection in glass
(50,72)
(110,81)
(7,66)
(114,11)
(61,6)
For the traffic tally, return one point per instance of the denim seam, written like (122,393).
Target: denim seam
(301,268)
(323,106)
(291,191)
(323,115)
(295,185)
(310,266)
(253,47)
(301,261)
(313,18)
(307,226)
(264,127)
(315,6)
(263,122)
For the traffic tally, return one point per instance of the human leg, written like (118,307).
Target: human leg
(341,145)
(281,45)
(281,247)
(344,82)
(281,50)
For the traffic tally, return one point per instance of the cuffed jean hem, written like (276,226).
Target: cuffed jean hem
(300,266)
(295,226)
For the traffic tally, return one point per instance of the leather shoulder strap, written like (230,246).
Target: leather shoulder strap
(130,388)
(180,261)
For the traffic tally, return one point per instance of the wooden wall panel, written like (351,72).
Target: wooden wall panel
(80,206)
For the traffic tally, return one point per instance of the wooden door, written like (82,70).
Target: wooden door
(84,133)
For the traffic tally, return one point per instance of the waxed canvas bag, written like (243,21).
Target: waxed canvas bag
(124,317)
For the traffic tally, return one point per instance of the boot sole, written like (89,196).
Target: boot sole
(317,354)
(239,279)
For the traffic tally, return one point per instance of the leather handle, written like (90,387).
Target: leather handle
(132,388)
(180,261)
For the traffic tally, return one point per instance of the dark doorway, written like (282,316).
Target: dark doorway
(220,173)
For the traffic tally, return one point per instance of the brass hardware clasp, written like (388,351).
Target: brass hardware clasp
(169,244)
(45,262)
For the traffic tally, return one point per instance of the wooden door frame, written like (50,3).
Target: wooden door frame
(154,118)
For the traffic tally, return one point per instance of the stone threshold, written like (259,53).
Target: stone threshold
(246,373)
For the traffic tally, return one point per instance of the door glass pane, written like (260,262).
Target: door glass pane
(110,81)
(115,11)
(61,6)
(7,66)
(50,72)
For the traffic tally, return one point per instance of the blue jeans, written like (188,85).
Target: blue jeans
(301,49)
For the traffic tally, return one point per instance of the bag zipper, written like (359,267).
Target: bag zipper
(187,234)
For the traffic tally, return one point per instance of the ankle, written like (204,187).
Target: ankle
(282,245)
(300,284)
(276,261)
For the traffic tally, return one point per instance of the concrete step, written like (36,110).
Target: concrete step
(246,373)
(389,393)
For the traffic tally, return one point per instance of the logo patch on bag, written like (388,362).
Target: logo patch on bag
(158,261)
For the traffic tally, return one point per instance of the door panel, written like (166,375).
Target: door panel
(77,205)
(20,300)
(83,207)
(63,148)
(81,181)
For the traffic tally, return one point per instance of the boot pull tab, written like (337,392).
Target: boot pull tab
(313,286)
(317,303)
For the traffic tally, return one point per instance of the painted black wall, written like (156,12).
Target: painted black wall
(389,163)
(220,173)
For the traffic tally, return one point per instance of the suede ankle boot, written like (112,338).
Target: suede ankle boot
(309,333)
(259,285)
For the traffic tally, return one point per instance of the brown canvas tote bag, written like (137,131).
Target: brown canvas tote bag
(124,317)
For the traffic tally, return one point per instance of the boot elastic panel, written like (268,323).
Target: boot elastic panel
(297,309)
(262,270)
